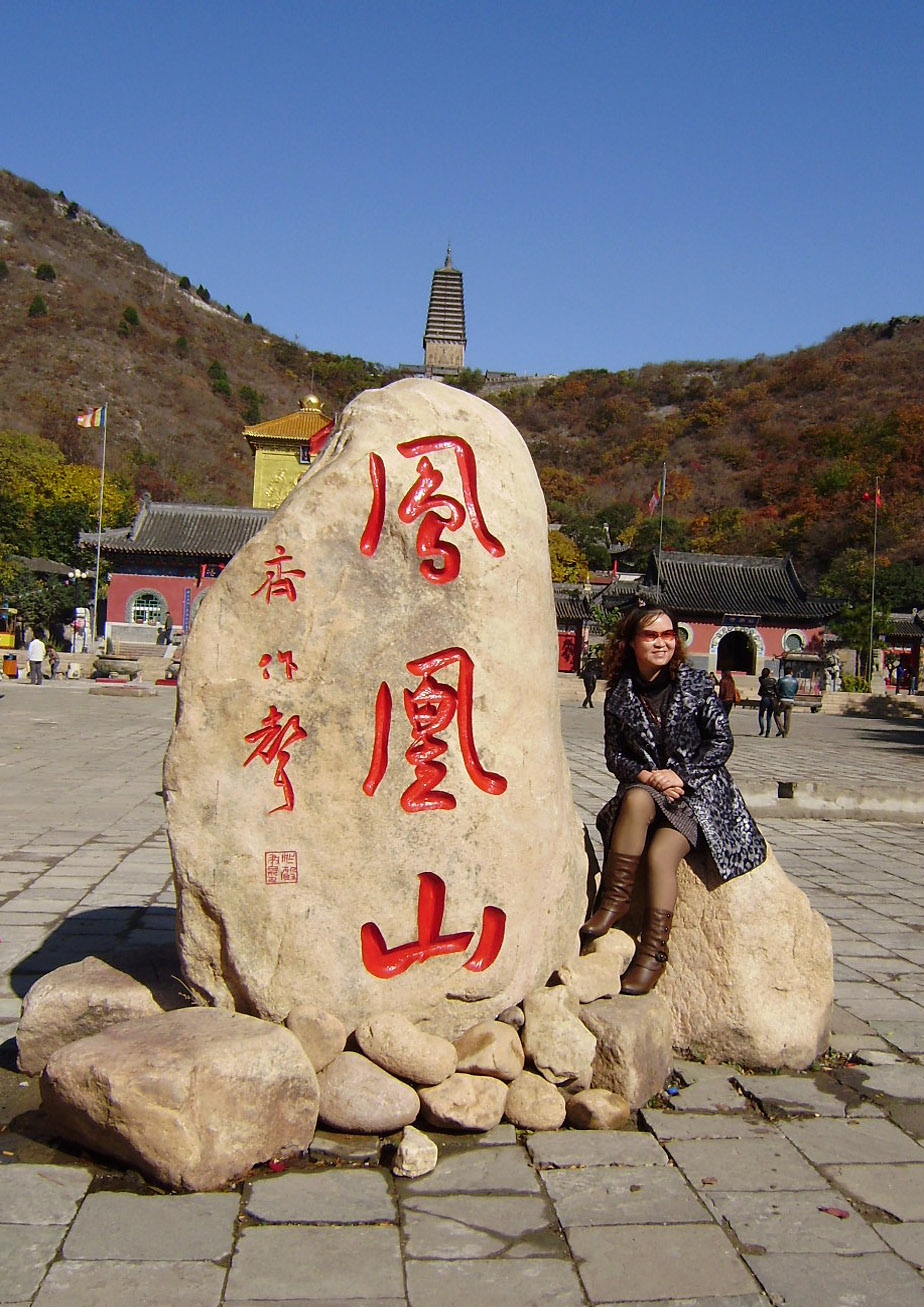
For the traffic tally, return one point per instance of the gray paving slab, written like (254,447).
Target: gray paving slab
(906,1035)
(794,1222)
(318,1262)
(41,1195)
(906,1239)
(352,1196)
(823,1141)
(348,1148)
(704,1125)
(529,1282)
(904,1081)
(896,1188)
(458,1226)
(25,1254)
(811,1095)
(623,1196)
(713,1095)
(551,1148)
(645,1263)
(479,1170)
(132,1284)
(832,1280)
(174,1228)
(766,1163)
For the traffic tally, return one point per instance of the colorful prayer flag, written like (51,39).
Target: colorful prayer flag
(94,417)
(657,494)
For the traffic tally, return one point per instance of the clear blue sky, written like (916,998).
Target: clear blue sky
(622,182)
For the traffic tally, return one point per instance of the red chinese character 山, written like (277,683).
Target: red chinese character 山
(271,743)
(385,963)
(431,708)
(278,581)
(441,559)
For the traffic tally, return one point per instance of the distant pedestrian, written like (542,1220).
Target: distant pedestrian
(36,656)
(54,662)
(728,693)
(786,690)
(589,677)
(766,707)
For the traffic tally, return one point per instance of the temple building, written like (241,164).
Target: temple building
(444,337)
(284,447)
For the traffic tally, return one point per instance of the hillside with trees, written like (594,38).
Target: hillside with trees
(768,455)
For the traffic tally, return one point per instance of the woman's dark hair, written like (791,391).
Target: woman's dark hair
(619,656)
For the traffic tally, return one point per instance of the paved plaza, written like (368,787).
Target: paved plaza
(736,1190)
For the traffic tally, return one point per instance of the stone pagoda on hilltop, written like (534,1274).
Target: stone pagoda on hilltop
(444,337)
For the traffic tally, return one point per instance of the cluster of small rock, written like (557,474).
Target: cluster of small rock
(197,1096)
(194,1097)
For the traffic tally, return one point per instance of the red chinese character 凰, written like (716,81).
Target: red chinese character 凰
(285,657)
(422,501)
(430,709)
(384,962)
(278,579)
(271,742)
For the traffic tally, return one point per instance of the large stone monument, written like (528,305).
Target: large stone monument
(369,805)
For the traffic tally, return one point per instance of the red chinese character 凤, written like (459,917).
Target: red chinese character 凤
(422,501)
(278,579)
(271,742)
(285,657)
(385,963)
(430,708)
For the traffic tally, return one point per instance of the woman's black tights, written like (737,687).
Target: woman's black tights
(640,828)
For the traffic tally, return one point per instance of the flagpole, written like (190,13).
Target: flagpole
(872,597)
(661,525)
(99,524)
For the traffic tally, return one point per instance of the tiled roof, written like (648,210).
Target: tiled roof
(906,626)
(716,585)
(194,530)
(303,426)
(571,603)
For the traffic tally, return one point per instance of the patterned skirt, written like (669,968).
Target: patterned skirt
(676,813)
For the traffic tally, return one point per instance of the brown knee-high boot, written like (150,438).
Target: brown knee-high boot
(650,958)
(616,885)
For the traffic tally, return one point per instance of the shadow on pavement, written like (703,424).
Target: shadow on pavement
(100,933)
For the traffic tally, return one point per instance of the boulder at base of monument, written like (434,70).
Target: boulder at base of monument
(83,998)
(193,1099)
(368,800)
(750,978)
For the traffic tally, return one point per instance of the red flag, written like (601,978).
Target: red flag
(868,497)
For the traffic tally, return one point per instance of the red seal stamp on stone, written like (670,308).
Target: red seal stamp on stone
(280,867)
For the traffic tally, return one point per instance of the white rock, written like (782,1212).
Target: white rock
(281,855)
(194,1098)
(360,1098)
(415,1155)
(634,1054)
(396,1045)
(534,1104)
(491,1048)
(321,1034)
(750,978)
(464,1102)
(557,1042)
(512,1016)
(86,997)
(597,1109)
(596,974)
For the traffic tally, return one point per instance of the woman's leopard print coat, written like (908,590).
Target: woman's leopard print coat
(695,742)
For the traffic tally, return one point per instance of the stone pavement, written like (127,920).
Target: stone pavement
(736,1189)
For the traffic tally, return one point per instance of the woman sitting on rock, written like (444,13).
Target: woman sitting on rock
(666,738)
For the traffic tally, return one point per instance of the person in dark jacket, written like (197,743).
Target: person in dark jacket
(589,677)
(666,739)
